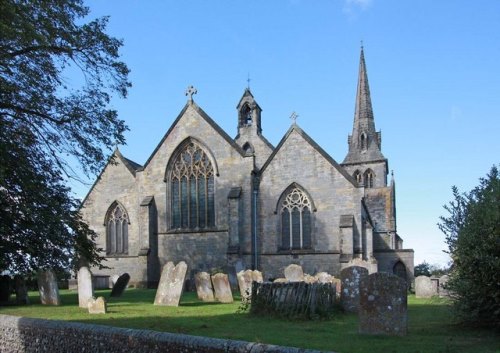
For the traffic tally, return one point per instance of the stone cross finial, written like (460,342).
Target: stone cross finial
(190,91)
(248,81)
(294,117)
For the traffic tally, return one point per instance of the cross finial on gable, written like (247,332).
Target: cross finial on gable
(190,91)
(294,117)
(248,81)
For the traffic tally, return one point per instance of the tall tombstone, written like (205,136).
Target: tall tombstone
(21,291)
(222,288)
(48,289)
(351,278)
(85,288)
(424,287)
(383,305)
(120,285)
(171,284)
(443,290)
(204,288)
(4,288)
(257,276)
(294,273)
(245,280)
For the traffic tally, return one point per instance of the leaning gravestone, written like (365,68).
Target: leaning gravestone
(424,287)
(351,278)
(383,305)
(245,280)
(4,288)
(120,285)
(171,284)
(222,288)
(85,290)
(294,273)
(21,291)
(204,288)
(47,286)
(97,306)
(112,280)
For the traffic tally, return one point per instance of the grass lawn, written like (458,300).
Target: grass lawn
(431,328)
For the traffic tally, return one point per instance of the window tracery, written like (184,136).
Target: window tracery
(369,178)
(117,222)
(296,220)
(358,177)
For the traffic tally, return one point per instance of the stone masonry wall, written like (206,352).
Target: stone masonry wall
(20,335)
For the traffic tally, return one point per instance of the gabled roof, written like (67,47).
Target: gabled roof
(321,151)
(131,166)
(208,119)
(247,95)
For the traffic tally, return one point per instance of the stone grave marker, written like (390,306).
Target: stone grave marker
(324,277)
(21,291)
(4,288)
(424,287)
(245,280)
(171,284)
(204,288)
(351,277)
(85,288)
(222,288)
(294,273)
(112,280)
(48,289)
(310,279)
(383,305)
(443,291)
(120,285)
(257,276)
(97,306)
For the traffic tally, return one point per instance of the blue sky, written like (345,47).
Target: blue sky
(433,68)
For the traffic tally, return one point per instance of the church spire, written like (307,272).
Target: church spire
(365,141)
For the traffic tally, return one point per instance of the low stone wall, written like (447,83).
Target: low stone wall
(20,335)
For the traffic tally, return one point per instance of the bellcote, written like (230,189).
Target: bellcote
(249,113)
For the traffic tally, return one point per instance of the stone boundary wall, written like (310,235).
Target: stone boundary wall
(20,335)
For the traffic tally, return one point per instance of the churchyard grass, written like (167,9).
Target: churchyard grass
(431,328)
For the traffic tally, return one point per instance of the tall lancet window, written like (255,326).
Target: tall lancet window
(295,220)
(191,180)
(363,141)
(358,177)
(117,222)
(369,178)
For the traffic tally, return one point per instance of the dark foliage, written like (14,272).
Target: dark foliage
(472,232)
(47,121)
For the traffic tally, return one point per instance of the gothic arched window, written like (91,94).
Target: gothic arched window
(191,181)
(369,178)
(295,220)
(364,141)
(117,222)
(399,269)
(358,177)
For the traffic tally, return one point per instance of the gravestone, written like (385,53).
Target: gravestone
(338,286)
(383,305)
(21,291)
(48,289)
(171,284)
(204,288)
(294,273)
(245,280)
(310,279)
(324,277)
(4,288)
(351,278)
(424,287)
(85,289)
(120,285)
(97,306)
(443,291)
(112,280)
(222,288)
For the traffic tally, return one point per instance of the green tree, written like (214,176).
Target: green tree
(423,269)
(49,122)
(472,232)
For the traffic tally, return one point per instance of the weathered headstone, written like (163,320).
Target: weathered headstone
(85,289)
(424,288)
(222,288)
(120,285)
(294,273)
(383,305)
(97,306)
(338,286)
(4,288)
(443,290)
(351,278)
(310,279)
(21,291)
(324,277)
(48,289)
(204,288)
(245,280)
(171,284)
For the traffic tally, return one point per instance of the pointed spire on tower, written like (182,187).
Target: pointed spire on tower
(365,141)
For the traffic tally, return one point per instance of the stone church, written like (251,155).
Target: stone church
(215,201)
